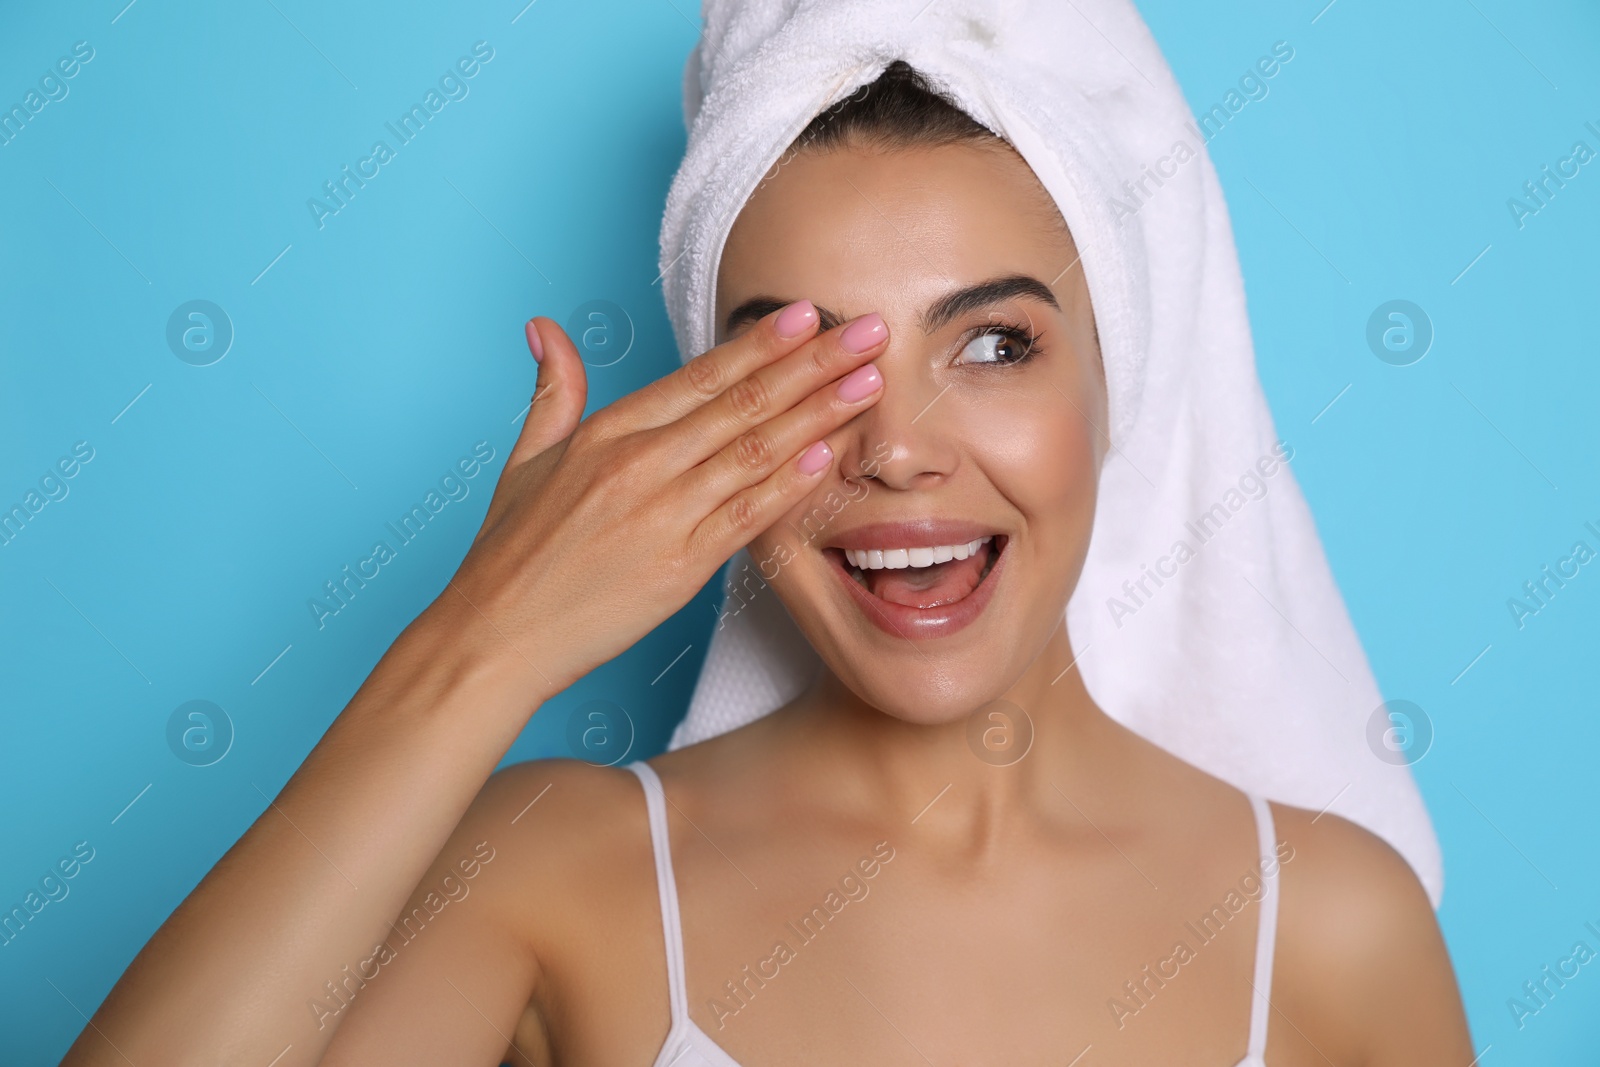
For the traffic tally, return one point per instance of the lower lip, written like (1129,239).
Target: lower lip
(920,624)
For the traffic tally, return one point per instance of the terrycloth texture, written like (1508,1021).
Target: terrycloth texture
(1238,655)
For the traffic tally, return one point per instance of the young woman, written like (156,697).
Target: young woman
(942,851)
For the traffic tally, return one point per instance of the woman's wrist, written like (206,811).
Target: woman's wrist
(454,645)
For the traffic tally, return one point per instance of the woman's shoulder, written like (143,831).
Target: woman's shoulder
(1350,902)
(572,819)
(1353,881)
(564,803)
(1349,878)
(1357,940)
(573,836)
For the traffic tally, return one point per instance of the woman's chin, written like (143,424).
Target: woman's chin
(923,695)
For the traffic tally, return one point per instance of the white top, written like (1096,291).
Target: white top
(689,1046)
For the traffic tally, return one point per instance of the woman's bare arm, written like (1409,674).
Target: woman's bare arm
(597,531)
(312,884)
(551,864)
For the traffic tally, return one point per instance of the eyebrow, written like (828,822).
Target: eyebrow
(938,314)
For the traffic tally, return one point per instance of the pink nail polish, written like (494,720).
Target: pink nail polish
(534,344)
(863,333)
(795,319)
(860,384)
(815,458)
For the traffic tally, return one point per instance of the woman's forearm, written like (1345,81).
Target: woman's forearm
(314,883)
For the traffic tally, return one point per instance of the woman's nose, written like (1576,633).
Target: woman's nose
(901,442)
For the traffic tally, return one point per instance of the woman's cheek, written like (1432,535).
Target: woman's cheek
(807,522)
(772,551)
(1039,452)
(1016,441)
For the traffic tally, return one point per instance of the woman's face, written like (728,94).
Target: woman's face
(979,433)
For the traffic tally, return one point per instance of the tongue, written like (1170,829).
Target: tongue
(929,587)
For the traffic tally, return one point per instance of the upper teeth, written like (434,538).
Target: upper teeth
(877,559)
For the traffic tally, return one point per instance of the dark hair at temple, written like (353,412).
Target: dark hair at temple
(899,109)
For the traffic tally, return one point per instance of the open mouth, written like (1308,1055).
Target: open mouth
(926,591)
(927,577)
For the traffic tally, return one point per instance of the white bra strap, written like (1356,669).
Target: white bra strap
(1267,933)
(671,925)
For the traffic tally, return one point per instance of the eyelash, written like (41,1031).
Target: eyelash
(1022,336)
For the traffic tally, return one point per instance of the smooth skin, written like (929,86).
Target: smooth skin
(1018,900)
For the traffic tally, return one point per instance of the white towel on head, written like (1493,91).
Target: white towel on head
(1235,652)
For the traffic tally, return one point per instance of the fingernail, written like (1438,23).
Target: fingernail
(860,384)
(863,333)
(815,458)
(535,345)
(795,319)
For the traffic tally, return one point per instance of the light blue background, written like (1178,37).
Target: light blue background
(378,349)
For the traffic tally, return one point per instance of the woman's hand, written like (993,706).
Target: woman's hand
(596,532)
(600,529)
